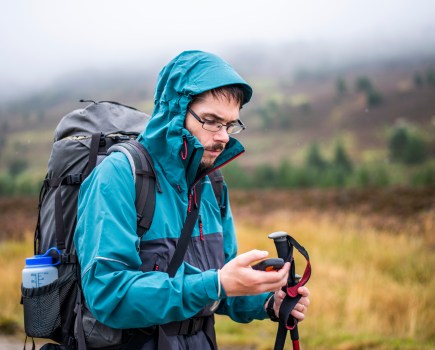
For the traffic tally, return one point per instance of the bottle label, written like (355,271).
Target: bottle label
(38,279)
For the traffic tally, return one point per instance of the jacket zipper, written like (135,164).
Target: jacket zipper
(202,239)
(192,249)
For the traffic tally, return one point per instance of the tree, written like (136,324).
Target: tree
(415,151)
(341,159)
(373,97)
(17,166)
(430,77)
(314,159)
(363,84)
(418,80)
(406,146)
(397,143)
(340,87)
(265,176)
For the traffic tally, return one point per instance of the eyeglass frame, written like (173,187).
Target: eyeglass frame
(219,124)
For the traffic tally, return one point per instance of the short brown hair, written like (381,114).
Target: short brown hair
(230,92)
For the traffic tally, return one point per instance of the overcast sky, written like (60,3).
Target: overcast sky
(42,39)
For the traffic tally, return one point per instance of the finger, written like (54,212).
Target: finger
(279,294)
(298,315)
(305,301)
(277,279)
(304,291)
(301,307)
(267,286)
(248,258)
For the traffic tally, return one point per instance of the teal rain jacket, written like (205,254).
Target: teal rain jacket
(124,289)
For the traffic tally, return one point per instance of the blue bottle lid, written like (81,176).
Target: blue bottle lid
(39,260)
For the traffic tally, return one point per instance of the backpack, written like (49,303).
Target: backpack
(82,139)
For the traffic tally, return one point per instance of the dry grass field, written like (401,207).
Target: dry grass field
(372,254)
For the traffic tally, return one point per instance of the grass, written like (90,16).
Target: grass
(372,285)
(371,289)
(12,255)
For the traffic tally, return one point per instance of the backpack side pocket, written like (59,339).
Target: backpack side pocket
(42,307)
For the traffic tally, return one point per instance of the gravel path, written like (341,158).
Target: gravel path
(11,343)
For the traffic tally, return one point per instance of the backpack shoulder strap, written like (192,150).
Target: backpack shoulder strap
(145,181)
(186,232)
(217,182)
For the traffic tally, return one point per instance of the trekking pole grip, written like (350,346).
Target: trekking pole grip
(281,244)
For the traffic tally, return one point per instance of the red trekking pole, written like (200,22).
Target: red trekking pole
(284,246)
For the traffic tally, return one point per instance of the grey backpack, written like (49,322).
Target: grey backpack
(81,140)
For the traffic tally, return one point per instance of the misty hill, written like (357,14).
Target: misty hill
(294,105)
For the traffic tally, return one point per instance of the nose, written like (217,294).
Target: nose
(221,136)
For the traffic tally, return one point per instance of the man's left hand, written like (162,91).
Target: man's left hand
(300,308)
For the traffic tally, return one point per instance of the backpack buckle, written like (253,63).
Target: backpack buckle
(69,259)
(102,142)
(74,179)
(120,138)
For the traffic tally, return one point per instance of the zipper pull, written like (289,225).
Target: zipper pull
(189,205)
(201,233)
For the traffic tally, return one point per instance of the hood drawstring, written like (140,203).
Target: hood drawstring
(184,156)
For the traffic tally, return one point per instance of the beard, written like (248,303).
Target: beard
(207,163)
(205,166)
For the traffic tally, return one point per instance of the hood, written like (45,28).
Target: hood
(174,150)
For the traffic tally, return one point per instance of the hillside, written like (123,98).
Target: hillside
(393,209)
(287,114)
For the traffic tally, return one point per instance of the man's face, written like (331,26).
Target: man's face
(211,108)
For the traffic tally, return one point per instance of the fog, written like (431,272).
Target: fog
(45,39)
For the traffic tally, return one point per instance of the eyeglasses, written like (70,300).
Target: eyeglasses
(214,126)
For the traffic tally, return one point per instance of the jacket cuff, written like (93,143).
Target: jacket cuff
(221,290)
(211,283)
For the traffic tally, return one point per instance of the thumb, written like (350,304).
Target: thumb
(248,258)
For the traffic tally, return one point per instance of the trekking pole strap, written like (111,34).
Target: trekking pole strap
(292,291)
(293,297)
(286,321)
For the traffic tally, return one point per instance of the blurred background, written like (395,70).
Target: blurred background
(340,141)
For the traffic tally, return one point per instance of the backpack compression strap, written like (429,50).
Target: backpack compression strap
(145,181)
(217,182)
(71,180)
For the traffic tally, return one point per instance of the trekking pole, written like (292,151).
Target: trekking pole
(284,246)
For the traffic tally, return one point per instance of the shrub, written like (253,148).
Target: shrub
(236,176)
(363,84)
(7,184)
(424,177)
(17,166)
(406,146)
(374,98)
(314,159)
(341,160)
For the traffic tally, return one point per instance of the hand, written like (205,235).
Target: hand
(238,278)
(301,307)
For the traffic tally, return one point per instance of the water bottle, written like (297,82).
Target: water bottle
(39,271)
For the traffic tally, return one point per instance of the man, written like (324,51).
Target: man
(197,103)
